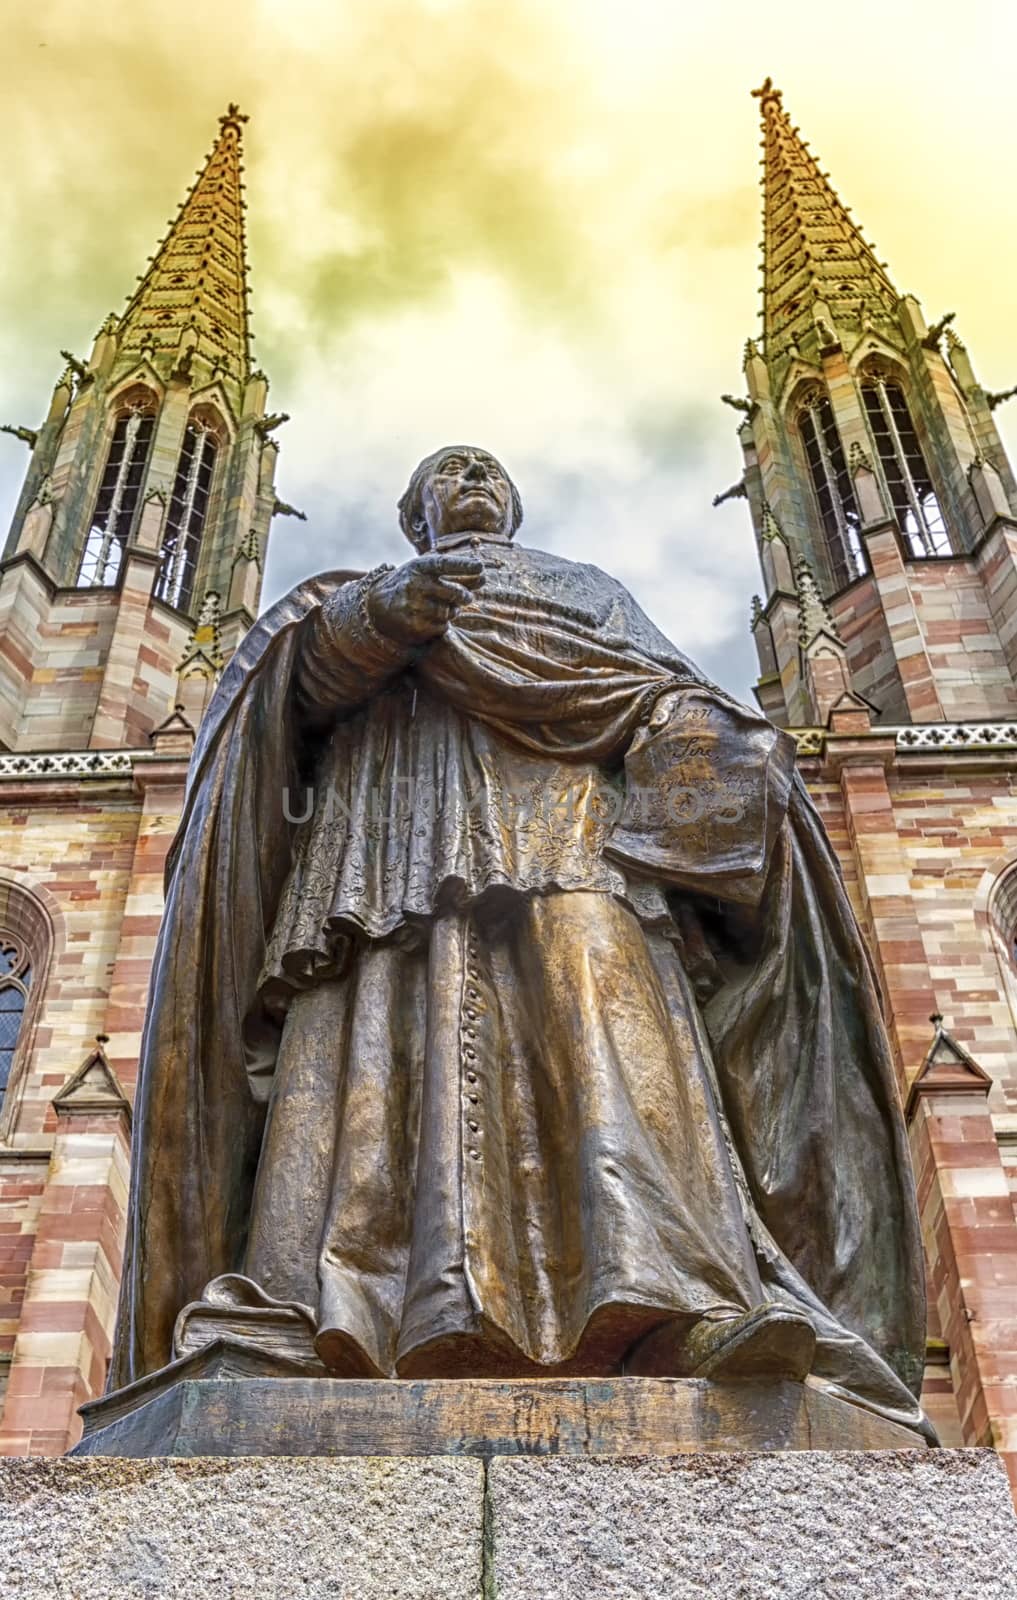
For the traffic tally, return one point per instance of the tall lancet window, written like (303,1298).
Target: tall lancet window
(15,981)
(117,500)
(188,513)
(831,482)
(908,482)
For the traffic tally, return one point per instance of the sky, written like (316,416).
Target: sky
(531,225)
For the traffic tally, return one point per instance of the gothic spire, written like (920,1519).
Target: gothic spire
(819,272)
(192,301)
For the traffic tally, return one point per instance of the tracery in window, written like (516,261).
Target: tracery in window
(15,982)
(117,500)
(188,513)
(832,486)
(902,462)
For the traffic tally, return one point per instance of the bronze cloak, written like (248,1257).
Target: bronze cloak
(805,1081)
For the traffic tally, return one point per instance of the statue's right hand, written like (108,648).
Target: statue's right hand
(418,601)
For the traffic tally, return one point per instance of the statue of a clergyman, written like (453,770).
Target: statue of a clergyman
(509,1016)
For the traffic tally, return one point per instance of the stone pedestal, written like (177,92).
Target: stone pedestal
(850,1525)
(219,1402)
(567,1489)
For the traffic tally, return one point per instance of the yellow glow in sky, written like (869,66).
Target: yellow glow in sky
(531,225)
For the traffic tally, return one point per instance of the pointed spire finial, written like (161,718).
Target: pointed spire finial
(814,614)
(174,729)
(249,549)
(233,117)
(771,528)
(947,1069)
(203,652)
(766,94)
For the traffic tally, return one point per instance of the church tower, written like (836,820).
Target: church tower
(133,563)
(885,514)
(132,570)
(884,506)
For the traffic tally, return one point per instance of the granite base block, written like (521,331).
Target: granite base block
(822,1525)
(788,1526)
(284,1529)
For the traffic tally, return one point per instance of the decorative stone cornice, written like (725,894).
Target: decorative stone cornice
(52,764)
(948,737)
(921,737)
(957,736)
(810,741)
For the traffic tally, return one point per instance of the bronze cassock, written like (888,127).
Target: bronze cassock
(509,1015)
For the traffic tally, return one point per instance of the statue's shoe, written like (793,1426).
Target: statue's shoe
(770,1341)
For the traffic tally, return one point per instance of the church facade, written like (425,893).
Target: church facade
(885,513)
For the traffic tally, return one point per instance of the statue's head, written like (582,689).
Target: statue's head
(459,490)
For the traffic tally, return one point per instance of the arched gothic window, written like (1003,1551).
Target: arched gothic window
(26,946)
(902,460)
(117,500)
(188,512)
(996,908)
(831,483)
(15,983)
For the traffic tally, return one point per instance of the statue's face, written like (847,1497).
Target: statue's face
(466,492)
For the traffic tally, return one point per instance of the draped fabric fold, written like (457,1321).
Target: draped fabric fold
(511,1078)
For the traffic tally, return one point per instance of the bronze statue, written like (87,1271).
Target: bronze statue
(509,1016)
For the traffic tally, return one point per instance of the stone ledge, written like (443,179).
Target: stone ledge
(215,1402)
